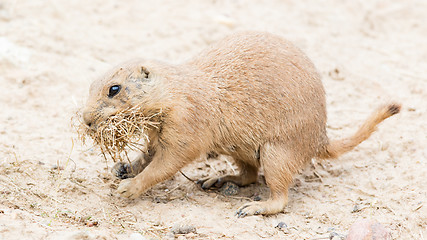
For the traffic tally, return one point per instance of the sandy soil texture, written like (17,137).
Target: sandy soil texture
(53,187)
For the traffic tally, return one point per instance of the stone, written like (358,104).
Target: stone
(368,230)
(229,189)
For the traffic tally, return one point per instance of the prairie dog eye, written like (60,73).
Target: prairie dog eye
(114,90)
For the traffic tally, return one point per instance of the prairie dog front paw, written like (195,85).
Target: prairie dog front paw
(128,189)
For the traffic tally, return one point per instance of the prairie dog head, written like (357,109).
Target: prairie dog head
(127,85)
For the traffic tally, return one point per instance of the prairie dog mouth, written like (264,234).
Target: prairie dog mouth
(121,131)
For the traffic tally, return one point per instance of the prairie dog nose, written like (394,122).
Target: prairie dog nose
(87,118)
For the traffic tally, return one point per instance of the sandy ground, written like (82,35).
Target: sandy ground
(53,187)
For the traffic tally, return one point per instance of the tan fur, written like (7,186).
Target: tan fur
(253,96)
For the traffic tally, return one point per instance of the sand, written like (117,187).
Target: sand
(53,187)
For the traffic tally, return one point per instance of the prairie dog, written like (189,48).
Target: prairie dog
(253,96)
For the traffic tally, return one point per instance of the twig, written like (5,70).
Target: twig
(194,181)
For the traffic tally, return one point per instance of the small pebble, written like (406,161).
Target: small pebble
(160,199)
(257,198)
(368,230)
(283,227)
(229,189)
(182,229)
(92,223)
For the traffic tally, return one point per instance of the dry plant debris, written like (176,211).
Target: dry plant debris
(125,130)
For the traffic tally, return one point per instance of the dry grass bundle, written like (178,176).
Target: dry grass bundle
(120,132)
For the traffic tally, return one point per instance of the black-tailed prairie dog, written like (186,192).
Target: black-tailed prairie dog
(253,96)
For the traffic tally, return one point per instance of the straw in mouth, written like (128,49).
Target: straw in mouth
(126,130)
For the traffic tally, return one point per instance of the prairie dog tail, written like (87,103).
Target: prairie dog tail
(337,147)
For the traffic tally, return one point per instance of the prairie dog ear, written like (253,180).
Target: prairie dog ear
(144,72)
